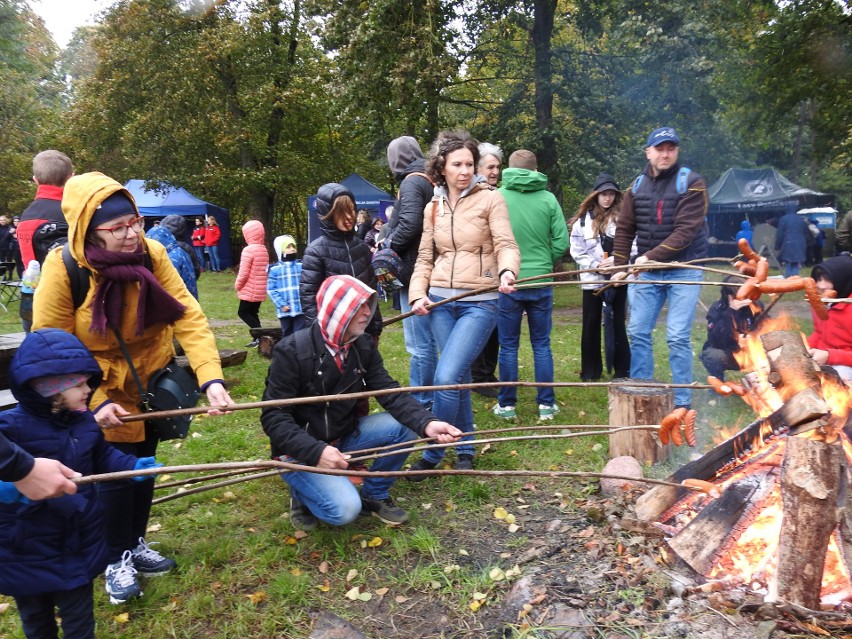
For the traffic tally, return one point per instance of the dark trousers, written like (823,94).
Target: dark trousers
(484,366)
(127,504)
(290,325)
(591,365)
(76,608)
(249,312)
(717,361)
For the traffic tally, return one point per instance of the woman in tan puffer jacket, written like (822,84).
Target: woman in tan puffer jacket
(467,243)
(251,279)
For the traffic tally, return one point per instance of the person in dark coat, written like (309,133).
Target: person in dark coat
(791,241)
(51,551)
(338,251)
(332,356)
(727,319)
(178,227)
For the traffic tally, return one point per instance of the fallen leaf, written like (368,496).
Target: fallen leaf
(195,433)
(514,571)
(251,530)
(475,606)
(153,528)
(505,555)
(497,574)
(569,451)
(300,534)
(162,478)
(426,506)
(451,569)
(256,597)
(351,575)
(537,600)
(381,592)
(588,532)
(374,542)
(290,540)
(463,552)
(296,572)
(479,596)
(530,487)
(325,586)
(3,608)
(177,445)
(435,585)
(510,518)
(500,513)
(323,567)
(513,452)
(400,599)
(513,528)
(124,617)
(597,447)
(353,593)
(229,495)
(365,596)
(485,449)
(449,506)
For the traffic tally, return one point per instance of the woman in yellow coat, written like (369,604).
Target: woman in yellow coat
(148,307)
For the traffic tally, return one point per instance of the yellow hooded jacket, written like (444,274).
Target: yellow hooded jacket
(53,306)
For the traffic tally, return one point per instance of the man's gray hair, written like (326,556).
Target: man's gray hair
(486,148)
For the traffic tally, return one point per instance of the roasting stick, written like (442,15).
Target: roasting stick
(295,401)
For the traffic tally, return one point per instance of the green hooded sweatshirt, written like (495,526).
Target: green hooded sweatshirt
(537,221)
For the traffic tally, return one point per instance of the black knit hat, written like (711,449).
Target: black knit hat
(116,205)
(327,194)
(605,182)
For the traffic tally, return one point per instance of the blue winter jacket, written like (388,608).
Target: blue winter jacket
(177,255)
(791,239)
(54,544)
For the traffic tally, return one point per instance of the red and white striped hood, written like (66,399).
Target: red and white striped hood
(338,299)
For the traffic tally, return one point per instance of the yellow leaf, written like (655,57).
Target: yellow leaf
(256,597)
(569,451)
(323,567)
(375,541)
(400,599)
(463,552)
(479,596)
(510,518)
(500,513)
(290,540)
(353,593)
(449,506)
(162,478)
(382,591)
(497,574)
(325,586)
(251,530)
(296,572)
(363,543)
(475,605)
(124,617)
(351,575)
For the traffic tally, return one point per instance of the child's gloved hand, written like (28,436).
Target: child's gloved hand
(143,463)
(9,494)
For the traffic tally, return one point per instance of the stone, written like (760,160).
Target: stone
(624,466)
(330,626)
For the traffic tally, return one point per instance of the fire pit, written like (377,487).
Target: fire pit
(776,515)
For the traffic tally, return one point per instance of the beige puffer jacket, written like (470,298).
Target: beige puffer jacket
(465,248)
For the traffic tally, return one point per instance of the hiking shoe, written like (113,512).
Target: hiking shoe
(253,344)
(149,562)
(464,462)
(420,464)
(506,412)
(301,517)
(121,581)
(385,510)
(547,411)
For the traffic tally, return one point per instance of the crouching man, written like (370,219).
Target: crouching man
(334,357)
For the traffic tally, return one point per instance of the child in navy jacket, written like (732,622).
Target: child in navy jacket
(51,550)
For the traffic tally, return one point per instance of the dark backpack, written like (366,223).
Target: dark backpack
(81,277)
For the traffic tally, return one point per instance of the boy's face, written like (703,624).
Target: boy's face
(289,249)
(76,398)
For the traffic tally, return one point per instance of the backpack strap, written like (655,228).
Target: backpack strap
(421,174)
(636,183)
(80,276)
(682,179)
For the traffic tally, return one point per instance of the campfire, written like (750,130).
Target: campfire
(775,512)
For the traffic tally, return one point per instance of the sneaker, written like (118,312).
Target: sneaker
(121,582)
(464,462)
(506,412)
(385,510)
(253,344)
(420,464)
(547,411)
(149,562)
(301,517)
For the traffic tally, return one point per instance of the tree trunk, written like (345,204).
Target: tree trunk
(630,405)
(542,33)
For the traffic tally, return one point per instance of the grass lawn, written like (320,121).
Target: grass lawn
(244,573)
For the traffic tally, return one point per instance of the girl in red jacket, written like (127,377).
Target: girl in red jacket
(831,342)
(251,280)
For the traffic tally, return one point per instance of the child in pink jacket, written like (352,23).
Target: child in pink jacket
(251,280)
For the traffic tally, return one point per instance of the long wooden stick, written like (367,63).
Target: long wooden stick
(295,401)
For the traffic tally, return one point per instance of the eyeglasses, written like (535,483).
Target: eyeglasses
(120,231)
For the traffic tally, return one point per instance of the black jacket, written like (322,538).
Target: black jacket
(725,325)
(407,222)
(336,253)
(303,431)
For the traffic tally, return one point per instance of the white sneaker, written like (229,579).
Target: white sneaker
(121,581)
(506,412)
(547,411)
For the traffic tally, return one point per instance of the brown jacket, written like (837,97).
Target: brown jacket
(465,248)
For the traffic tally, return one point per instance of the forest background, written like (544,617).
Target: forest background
(252,104)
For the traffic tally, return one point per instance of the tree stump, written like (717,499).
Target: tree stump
(637,405)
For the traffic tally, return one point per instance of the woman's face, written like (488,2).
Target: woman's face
(489,168)
(824,285)
(121,234)
(458,169)
(344,220)
(606,198)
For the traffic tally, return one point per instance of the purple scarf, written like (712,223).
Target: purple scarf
(117,268)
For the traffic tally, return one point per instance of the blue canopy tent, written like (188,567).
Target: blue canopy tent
(173,200)
(367,196)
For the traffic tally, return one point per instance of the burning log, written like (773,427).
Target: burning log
(638,405)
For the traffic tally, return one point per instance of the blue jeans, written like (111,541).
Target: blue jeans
(538,304)
(199,253)
(334,499)
(421,346)
(792,268)
(646,302)
(461,330)
(214,258)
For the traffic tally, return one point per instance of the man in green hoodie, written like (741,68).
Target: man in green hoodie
(541,234)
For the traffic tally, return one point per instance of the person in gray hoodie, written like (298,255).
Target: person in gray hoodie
(406,162)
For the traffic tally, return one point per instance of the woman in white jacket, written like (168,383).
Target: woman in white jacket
(592,233)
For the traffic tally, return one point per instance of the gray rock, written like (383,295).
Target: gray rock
(330,626)
(624,466)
